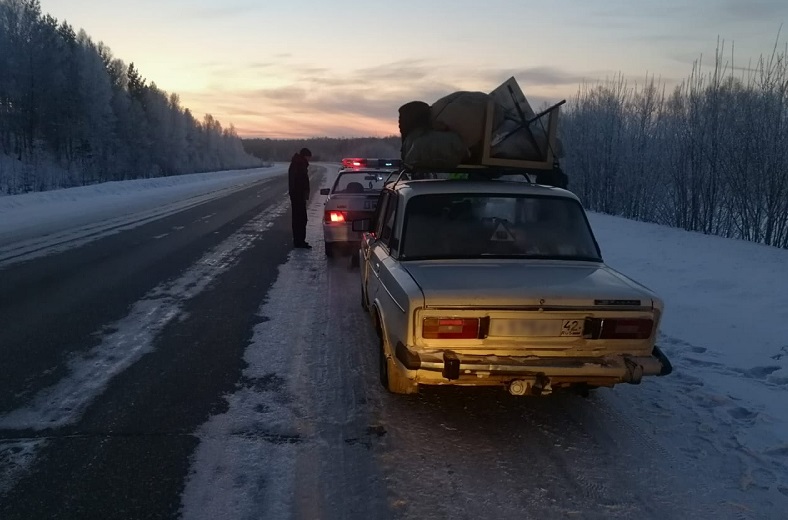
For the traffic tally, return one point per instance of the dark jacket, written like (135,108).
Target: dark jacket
(298,179)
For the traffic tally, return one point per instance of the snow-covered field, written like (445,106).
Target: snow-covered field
(725,329)
(713,435)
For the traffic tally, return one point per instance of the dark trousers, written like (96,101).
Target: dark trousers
(299,220)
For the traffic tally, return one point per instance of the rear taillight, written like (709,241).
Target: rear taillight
(618,328)
(335,216)
(450,328)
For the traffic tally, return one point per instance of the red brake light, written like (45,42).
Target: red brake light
(626,328)
(335,216)
(450,328)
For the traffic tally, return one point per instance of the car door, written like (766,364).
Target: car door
(379,248)
(368,239)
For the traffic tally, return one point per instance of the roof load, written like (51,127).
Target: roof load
(476,128)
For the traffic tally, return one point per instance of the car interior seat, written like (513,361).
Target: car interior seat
(354,187)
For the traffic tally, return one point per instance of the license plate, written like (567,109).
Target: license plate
(572,328)
(536,328)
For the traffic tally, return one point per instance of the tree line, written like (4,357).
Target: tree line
(72,114)
(710,156)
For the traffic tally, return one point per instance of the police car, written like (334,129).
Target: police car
(353,196)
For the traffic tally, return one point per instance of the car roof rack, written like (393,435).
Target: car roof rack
(475,172)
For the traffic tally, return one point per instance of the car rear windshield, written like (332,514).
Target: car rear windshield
(360,182)
(495,225)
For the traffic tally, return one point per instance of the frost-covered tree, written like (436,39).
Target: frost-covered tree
(71,113)
(710,157)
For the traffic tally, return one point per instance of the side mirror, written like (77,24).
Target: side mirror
(325,191)
(362,225)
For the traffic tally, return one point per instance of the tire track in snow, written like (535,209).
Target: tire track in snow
(464,453)
(297,442)
(699,471)
(726,424)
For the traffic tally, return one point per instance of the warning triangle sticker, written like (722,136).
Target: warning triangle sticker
(501,234)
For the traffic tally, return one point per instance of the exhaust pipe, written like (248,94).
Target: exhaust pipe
(540,385)
(518,387)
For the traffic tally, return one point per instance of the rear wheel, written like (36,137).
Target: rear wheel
(329,247)
(583,389)
(391,378)
(383,369)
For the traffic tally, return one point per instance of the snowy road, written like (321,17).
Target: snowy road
(241,382)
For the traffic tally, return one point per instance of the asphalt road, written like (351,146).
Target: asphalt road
(127,456)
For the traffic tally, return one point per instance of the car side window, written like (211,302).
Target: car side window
(380,211)
(387,228)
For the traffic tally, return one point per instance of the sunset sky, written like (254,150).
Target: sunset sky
(341,68)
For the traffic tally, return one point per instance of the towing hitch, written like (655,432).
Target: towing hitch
(451,365)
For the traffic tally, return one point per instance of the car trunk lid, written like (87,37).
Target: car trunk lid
(519,284)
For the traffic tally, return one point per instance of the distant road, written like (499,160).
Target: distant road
(41,223)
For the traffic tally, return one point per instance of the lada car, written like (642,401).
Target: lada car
(499,283)
(353,195)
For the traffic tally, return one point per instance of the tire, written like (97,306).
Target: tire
(364,304)
(383,368)
(329,247)
(391,378)
(583,389)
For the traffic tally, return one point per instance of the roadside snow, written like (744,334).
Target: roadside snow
(294,442)
(725,330)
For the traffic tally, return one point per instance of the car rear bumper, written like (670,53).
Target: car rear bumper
(340,233)
(450,367)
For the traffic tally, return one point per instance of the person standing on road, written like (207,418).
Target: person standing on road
(298,178)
